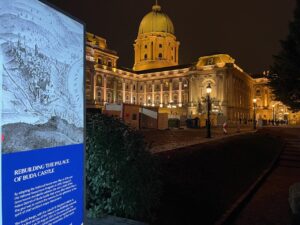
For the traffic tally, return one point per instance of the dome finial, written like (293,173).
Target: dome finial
(156,7)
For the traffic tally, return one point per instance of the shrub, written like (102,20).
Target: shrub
(122,176)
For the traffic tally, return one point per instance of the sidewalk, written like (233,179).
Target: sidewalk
(111,220)
(165,140)
(269,205)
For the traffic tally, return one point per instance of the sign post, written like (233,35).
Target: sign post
(42,115)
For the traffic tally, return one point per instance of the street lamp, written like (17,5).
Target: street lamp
(254,113)
(208,91)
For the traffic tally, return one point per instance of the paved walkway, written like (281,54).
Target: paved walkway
(269,206)
(164,140)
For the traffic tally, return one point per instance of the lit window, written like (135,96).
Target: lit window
(99,80)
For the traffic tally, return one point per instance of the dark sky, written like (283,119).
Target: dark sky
(248,30)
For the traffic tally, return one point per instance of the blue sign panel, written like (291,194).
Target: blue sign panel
(42,115)
(46,188)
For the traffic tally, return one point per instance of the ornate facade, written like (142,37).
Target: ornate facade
(268,109)
(157,78)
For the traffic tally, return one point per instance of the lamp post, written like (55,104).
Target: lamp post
(273,107)
(208,125)
(254,113)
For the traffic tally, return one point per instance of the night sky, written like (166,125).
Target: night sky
(247,30)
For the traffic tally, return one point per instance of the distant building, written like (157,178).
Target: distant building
(268,109)
(158,80)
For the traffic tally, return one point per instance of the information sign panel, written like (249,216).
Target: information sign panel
(42,114)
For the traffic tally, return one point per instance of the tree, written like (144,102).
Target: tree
(285,78)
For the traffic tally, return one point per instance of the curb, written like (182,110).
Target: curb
(238,205)
(153,151)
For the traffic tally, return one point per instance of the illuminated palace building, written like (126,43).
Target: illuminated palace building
(157,79)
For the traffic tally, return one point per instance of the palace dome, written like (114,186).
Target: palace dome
(156,21)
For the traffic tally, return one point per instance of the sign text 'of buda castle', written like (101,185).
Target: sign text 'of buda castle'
(157,80)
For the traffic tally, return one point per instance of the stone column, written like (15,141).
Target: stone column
(161,93)
(93,86)
(190,91)
(180,94)
(153,91)
(192,109)
(115,91)
(124,91)
(170,91)
(145,93)
(131,93)
(104,89)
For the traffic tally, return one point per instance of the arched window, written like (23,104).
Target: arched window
(160,45)
(160,55)
(175,98)
(258,92)
(146,56)
(134,87)
(146,46)
(100,61)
